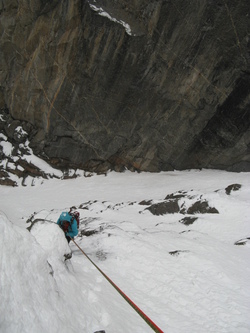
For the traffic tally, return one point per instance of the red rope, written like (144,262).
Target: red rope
(131,303)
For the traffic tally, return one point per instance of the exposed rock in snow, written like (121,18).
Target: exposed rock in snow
(19,165)
(184,203)
(233,187)
(188,220)
(244,241)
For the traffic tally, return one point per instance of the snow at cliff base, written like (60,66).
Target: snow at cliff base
(187,277)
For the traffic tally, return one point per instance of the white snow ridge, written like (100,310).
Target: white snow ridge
(176,243)
(103,13)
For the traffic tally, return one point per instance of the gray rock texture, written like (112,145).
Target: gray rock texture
(147,85)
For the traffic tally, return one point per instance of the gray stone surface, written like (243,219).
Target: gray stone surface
(174,93)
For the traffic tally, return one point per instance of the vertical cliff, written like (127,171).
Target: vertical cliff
(156,85)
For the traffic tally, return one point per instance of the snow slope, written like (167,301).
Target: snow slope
(186,278)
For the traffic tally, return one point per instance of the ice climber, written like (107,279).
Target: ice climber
(69,223)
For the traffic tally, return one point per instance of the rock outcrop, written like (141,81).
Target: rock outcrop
(147,85)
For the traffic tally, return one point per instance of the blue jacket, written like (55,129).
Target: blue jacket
(72,231)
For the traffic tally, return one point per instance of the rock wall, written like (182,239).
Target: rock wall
(157,85)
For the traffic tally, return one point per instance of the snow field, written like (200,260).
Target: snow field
(186,278)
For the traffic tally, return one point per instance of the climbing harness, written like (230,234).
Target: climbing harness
(131,303)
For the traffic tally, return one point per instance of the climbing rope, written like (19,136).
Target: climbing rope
(130,302)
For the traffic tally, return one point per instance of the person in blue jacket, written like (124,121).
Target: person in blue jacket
(69,223)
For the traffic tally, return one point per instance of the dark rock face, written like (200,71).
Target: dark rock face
(172,91)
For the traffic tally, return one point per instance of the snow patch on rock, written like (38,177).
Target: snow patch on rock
(103,13)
